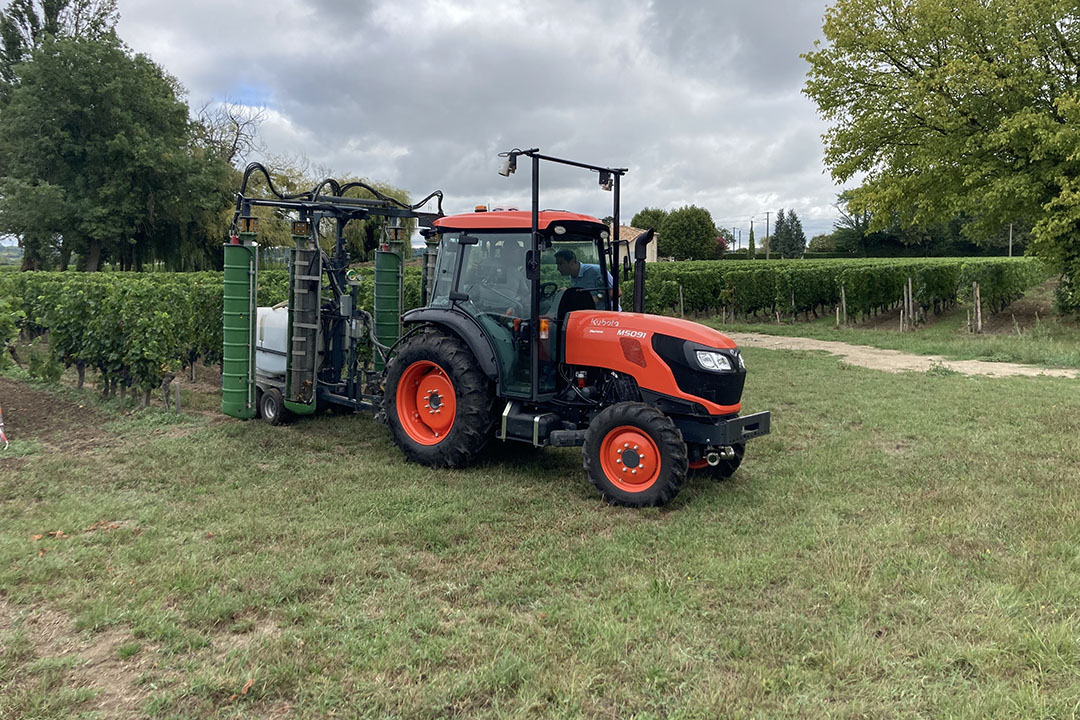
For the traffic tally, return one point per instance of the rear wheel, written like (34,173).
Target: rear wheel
(634,455)
(437,401)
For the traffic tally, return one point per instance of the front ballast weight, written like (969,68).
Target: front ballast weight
(321,350)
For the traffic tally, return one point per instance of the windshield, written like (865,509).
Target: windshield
(492,273)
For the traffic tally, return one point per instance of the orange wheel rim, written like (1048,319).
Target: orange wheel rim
(630,459)
(426,403)
(698,465)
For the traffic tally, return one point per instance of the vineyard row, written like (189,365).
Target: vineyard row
(136,329)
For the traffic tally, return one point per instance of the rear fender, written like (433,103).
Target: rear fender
(465,328)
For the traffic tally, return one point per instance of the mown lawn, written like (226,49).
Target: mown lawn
(901,545)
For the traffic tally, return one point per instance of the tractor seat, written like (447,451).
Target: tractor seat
(574,299)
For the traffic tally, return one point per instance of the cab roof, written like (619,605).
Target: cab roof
(510,220)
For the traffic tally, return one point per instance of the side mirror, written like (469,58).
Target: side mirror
(626,267)
(532,265)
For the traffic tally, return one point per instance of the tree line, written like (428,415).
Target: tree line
(103,161)
(959,112)
(689,233)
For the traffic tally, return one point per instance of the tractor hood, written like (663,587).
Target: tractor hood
(661,353)
(634,324)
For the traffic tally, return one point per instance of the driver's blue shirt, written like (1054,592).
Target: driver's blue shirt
(588,278)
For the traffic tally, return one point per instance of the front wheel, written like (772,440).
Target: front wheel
(634,455)
(437,401)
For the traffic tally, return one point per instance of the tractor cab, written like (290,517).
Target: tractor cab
(481,273)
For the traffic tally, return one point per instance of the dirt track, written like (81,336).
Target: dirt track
(894,360)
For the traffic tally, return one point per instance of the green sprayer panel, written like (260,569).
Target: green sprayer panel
(388,300)
(238,350)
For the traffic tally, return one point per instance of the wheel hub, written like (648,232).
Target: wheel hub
(426,405)
(630,458)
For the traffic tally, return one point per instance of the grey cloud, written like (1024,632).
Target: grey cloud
(700,100)
(750,44)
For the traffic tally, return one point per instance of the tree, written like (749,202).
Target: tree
(851,229)
(649,219)
(724,242)
(798,235)
(230,131)
(750,249)
(687,234)
(954,107)
(780,237)
(788,239)
(25,24)
(96,148)
(824,243)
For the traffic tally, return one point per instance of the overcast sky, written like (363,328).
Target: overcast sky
(700,100)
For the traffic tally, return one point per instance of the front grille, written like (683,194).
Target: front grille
(721,388)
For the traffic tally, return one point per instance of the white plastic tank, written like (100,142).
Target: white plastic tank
(272,324)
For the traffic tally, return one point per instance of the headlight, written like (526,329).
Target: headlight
(714,361)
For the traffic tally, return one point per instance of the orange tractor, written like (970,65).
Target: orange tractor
(523,339)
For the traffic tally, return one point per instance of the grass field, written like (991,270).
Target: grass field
(900,546)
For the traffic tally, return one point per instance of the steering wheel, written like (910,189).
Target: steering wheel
(504,319)
(548,290)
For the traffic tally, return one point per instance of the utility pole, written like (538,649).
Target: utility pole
(768,240)
(1010,239)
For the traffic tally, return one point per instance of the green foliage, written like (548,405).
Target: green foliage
(26,24)
(951,107)
(724,241)
(649,219)
(802,286)
(133,328)
(824,243)
(788,239)
(688,234)
(9,319)
(98,157)
(42,365)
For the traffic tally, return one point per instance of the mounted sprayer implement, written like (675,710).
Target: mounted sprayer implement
(521,338)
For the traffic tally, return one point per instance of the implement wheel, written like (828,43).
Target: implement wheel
(272,406)
(634,455)
(438,403)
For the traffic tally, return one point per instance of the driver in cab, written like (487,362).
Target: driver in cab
(584,275)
